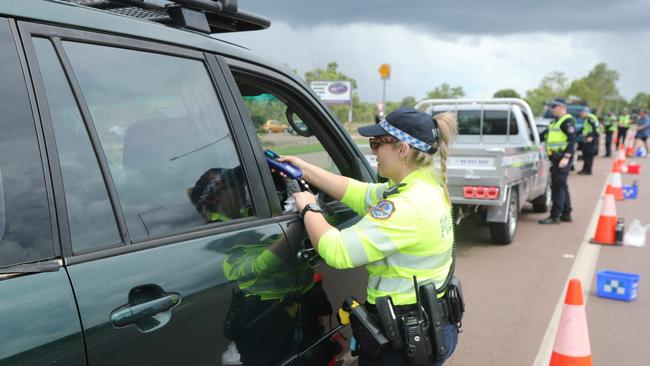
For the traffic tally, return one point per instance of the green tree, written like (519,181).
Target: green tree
(408,102)
(552,85)
(446,91)
(506,93)
(598,88)
(641,100)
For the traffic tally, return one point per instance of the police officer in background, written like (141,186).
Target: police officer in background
(590,129)
(610,129)
(406,226)
(560,140)
(624,121)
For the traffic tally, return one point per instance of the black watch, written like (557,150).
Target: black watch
(310,207)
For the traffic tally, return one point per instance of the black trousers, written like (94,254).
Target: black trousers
(560,191)
(588,153)
(608,143)
(622,131)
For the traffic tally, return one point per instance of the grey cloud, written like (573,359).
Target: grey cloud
(464,17)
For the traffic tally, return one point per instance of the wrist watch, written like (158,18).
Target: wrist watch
(310,207)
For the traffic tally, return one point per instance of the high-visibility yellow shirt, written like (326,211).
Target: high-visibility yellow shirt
(408,233)
(557,140)
(624,121)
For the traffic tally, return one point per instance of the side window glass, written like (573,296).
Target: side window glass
(271,113)
(25,225)
(496,123)
(469,122)
(90,216)
(164,134)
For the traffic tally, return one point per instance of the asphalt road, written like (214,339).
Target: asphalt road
(512,291)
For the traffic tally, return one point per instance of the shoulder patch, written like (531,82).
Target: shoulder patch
(570,129)
(382,210)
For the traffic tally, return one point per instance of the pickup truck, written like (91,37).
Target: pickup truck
(497,162)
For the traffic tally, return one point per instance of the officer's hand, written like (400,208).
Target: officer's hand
(564,162)
(302,199)
(295,161)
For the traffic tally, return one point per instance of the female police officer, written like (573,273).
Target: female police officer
(406,228)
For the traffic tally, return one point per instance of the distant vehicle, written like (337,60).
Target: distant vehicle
(273,126)
(497,162)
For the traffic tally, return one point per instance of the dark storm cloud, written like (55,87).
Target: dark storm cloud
(475,17)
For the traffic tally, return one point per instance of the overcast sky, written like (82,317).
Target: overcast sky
(481,45)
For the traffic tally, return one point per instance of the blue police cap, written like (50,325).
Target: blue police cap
(557,102)
(410,125)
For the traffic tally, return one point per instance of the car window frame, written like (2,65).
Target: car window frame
(53,263)
(337,143)
(57,35)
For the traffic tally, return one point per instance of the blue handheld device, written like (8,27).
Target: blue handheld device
(286,168)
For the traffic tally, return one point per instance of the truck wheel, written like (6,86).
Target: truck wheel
(504,232)
(543,203)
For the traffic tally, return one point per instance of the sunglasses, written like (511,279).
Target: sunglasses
(375,142)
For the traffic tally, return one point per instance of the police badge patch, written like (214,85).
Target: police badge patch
(382,210)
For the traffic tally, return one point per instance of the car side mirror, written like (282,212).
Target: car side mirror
(297,124)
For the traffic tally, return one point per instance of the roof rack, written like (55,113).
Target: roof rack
(206,16)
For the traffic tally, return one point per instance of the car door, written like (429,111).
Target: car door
(39,323)
(265,93)
(165,228)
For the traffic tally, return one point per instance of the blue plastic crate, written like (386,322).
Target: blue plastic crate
(630,191)
(617,285)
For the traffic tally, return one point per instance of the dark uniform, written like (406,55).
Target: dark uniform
(589,131)
(560,142)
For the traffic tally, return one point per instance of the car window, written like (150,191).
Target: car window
(90,216)
(494,122)
(26,228)
(270,105)
(165,136)
(268,111)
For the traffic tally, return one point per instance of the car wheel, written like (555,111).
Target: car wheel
(543,203)
(504,232)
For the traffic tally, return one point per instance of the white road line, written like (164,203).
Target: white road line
(583,269)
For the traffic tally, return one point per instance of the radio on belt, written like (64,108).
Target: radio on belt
(286,168)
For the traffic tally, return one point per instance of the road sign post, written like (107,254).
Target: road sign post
(384,72)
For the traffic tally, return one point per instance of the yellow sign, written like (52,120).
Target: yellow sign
(384,71)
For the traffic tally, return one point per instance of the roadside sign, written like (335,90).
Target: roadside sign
(384,71)
(333,92)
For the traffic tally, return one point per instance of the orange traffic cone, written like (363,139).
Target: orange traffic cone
(615,185)
(620,159)
(606,229)
(572,346)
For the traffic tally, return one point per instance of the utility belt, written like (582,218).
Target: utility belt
(416,328)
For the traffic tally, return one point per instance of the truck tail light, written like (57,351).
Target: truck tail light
(481,192)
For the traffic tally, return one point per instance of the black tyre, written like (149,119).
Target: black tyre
(504,232)
(543,203)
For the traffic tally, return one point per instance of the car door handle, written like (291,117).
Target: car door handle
(130,314)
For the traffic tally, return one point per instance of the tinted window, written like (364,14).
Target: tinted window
(165,137)
(469,122)
(494,123)
(26,231)
(90,216)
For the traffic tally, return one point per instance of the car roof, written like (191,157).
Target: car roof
(77,16)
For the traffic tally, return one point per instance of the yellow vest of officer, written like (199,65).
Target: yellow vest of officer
(586,127)
(624,121)
(557,140)
(610,124)
(407,234)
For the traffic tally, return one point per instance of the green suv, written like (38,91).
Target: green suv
(140,223)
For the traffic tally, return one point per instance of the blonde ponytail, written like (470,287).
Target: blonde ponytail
(447,130)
